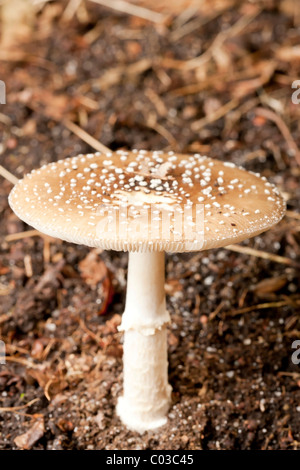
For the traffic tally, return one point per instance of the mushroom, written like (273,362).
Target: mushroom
(146,203)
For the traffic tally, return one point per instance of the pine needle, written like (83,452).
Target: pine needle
(87,138)
(17,408)
(8,175)
(261,254)
(134,10)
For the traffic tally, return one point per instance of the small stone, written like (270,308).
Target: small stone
(184,439)
(100,420)
(230,374)
(209,280)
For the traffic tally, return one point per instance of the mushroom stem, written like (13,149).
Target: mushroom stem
(146,397)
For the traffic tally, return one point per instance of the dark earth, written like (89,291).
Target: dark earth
(131,83)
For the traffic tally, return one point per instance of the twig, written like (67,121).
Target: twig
(13,55)
(12,348)
(294,375)
(5,316)
(48,348)
(92,35)
(220,39)
(293,215)
(189,27)
(157,101)
(216,312)
(5,119)
(222,111)
(20,235)
(8,175)
(255,154)
(90,333)
(184,16)
(46,250)
(260,254)
(114,75)
(279,304)
(4,289)
(211,80)
(134,10)
(46,389)
(71,9)
(165,134)
(22,361)
(272,116)
(16,408)
(28,266)
(87,138)
(153,124)
(194,88)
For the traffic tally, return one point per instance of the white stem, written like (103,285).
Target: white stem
(146,398)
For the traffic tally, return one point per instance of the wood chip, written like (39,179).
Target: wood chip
(27,440)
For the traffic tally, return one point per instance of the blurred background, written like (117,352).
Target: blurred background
(195,76)
(215,77)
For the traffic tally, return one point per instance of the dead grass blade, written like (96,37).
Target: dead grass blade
(87,138)
(272,116)
(114,75)
(192,25)
(261,254)
(134,10)
(5,316)
(252,308)
(219,40)
(22,361)
(153,124)
(17,21)
(293,215)
(8,175)
(20,235)
(17,408)
(219,113)
(71,9)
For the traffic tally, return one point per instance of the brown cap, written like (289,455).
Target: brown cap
(138,201)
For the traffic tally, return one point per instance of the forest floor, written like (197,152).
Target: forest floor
(216,82)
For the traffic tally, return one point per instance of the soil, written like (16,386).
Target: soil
(131,83)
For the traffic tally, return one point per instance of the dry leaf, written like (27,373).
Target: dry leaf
(17,20)
(27,440)
(172,286)
(268,286)
(93,269)
(288,54)
(107,292)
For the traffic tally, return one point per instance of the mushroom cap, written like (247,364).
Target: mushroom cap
(147,201)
